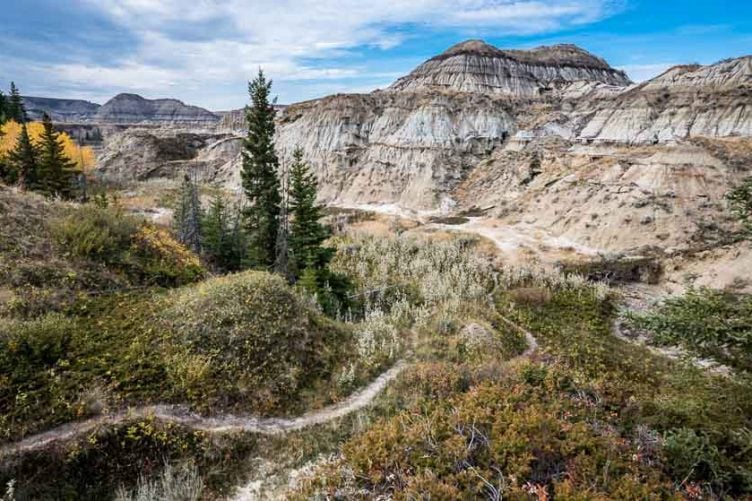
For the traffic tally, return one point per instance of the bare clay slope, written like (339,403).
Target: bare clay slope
(552,137)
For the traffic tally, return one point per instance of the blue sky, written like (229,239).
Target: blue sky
(204,51)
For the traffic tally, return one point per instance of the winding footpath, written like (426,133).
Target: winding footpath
(225,423)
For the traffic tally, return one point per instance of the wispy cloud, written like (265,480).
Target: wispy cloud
(293,40)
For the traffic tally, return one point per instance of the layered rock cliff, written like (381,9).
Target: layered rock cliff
(552,137)
(406,148)
(684,102)
(134,109)
(475,66)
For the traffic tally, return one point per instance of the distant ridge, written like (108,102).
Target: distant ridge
(61,110)
(132,108)
(124,108)
(476,66)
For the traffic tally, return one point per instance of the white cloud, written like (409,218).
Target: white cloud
(290,39)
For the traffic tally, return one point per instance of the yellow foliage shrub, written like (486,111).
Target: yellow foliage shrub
(83,156)
(163,256)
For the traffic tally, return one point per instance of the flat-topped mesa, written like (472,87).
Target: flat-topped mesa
(132,108)
(475,66)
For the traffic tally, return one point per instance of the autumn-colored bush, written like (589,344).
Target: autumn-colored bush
(263,344)
(502,439)
(161,259)
(82,156)
(144,252)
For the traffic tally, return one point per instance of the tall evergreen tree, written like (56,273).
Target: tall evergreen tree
(188,216)
(222,234)
(3,109)
(259,176)
(282,259)
(23,164)
(56,171)
(307,232)
(3,165)
(15,109)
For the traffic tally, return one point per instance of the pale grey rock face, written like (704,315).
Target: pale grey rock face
(478,67)
(386,147)
(684,102)
(551,137)
(134,109)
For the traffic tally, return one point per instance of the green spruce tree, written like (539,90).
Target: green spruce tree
(740,202)
(307,234)
(15,109)
(4,172)
(282,259)
(23,163)
(188,216)
(259,176)
(223,240)
(56,171)
(3,109)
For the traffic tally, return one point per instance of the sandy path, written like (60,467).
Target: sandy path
(218,424)
(254,489)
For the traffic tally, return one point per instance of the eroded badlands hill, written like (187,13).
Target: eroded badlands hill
(475,66)
(551,137)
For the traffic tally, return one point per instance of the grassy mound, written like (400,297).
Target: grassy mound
(251,336)
(52,251)
(246,343)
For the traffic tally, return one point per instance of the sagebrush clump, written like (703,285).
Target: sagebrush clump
(251,330)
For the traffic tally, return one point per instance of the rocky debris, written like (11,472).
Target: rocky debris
(134,109)
(60,110)
(475,66)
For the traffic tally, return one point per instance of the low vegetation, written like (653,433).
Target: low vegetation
(709,323)
(249,342)
(53,252)
(593,416)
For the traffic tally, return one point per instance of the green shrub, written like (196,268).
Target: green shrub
(101,234)
(38,342)
(691,455)
(143,252)
(707,322)
(263,344)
